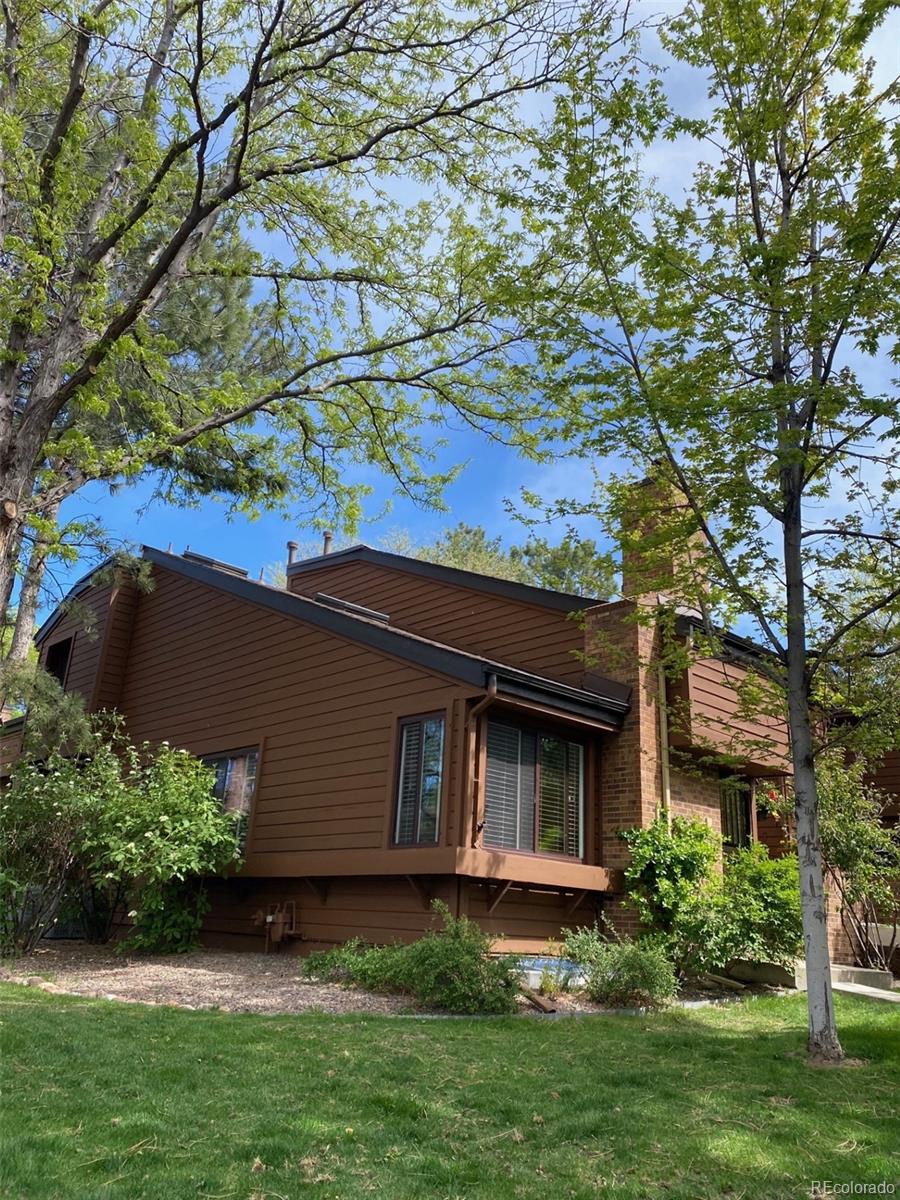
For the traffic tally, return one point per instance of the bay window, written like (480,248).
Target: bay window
(534,791)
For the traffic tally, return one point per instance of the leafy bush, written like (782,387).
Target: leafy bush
(42,813)
(168,918)
(450,968)
(668,865)
(116,821)
(631,974)
(760,907)
(584,945)
(751,910)
(376,968)
(862,855)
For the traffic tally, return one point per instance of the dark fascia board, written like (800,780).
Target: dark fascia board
(446,660)
(685,625)
(564,601)
(84,584)
(13,725)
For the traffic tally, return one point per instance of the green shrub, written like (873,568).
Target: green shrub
(668,864)
(168,918)
(760,905)
(450,968)
(751,910)
(376,968)
(115,821)
(584,945)
(631,974)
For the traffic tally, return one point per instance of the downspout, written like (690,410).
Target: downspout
(472,721)
(665,766)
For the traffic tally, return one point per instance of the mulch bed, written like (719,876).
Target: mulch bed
(235,982)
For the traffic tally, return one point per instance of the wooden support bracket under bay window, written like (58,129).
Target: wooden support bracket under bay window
(420,890)
(498,893)
(319,887)
(576,902)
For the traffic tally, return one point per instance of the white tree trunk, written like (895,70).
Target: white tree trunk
(823,1039)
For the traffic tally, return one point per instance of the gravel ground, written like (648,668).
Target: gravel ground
(237,982)
(232,982)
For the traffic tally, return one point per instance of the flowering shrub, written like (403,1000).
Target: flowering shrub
(117,822)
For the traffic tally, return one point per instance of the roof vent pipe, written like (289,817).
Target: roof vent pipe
(292,549)
(327,538)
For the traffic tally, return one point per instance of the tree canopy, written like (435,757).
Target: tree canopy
(247,246)
(735,339)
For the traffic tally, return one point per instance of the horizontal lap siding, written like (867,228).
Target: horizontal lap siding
(526,919)
(379,910)
(887,778)
(210,672)
(714,705)
(88,642)
(385,909)
(514,632)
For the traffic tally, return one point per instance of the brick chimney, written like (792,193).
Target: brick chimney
(670,545)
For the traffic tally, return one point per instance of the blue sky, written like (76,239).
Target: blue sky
(492,474)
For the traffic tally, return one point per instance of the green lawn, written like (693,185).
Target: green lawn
(121,1102)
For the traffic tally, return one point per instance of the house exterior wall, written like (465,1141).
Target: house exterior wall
(708,717)
(520,634)
(211,673)
(87,642)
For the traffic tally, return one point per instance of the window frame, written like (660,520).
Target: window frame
(560,733)
(70,638)
(746,787)
(212,756)
(399,726)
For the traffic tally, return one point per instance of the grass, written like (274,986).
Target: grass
(120,1102)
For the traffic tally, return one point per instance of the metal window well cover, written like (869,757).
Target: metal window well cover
(534,965)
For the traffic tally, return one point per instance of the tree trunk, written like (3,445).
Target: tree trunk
(30,595)
(823,1039)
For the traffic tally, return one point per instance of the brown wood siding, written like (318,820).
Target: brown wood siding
(382,910)
(887,778)
(117,642)
(211,673)
(87,645)
(10,748)
(712,720)
(514,632)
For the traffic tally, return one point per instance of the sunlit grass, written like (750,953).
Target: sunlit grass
(123,1102)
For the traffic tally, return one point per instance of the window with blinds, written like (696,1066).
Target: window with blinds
(534,791)
(418,815)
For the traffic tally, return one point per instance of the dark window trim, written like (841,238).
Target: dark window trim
(70,638)
(216,755)
(746,786)
(415,719)
(542,730)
